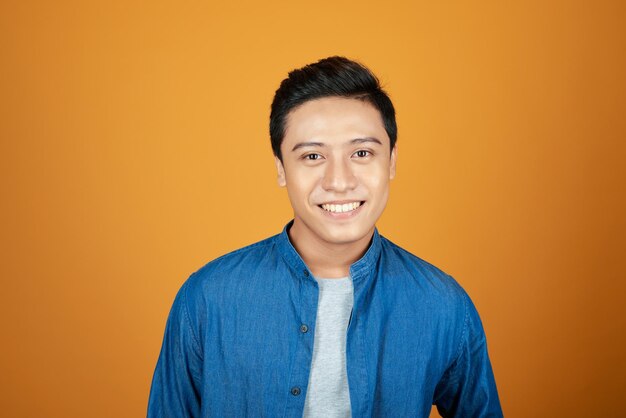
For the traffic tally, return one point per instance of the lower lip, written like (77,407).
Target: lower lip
(343,215)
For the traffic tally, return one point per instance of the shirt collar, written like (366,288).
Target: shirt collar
(361,269)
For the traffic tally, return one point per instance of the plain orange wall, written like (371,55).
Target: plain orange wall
(134,149)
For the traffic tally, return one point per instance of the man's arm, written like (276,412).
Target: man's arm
(177,378)
(468,387)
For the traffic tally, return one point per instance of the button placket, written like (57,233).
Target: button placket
(304,346)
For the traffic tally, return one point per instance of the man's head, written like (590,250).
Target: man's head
(335,150)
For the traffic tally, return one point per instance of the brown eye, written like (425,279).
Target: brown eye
(362,153)
(312,157)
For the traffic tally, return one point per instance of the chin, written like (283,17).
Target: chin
(347,235)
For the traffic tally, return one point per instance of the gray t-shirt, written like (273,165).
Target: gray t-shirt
(327,393)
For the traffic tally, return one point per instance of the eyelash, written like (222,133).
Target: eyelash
(368,153)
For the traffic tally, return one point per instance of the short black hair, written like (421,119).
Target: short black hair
(332,76)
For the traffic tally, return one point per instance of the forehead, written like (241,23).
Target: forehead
(334,119)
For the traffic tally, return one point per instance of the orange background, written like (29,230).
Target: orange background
(135,148)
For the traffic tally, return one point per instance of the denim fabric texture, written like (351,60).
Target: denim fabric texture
(239,339)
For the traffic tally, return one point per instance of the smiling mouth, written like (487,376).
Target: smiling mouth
(341,208)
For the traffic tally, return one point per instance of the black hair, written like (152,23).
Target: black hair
(332,76)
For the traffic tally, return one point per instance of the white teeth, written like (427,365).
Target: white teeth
(346,207)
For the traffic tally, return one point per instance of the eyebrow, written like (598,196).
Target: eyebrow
(307,144)
(366,139)
(321,144)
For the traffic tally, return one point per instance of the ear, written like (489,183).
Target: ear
(281,172)
(392,163)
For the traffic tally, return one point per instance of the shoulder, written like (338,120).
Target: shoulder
(232,264)
(411,272)
(221,277)
(225,273)
(432,292)
(401,262)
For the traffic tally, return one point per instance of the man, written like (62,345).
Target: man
(328,318)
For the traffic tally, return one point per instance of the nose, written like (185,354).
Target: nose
(338,177)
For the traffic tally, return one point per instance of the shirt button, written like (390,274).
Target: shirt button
(295,391)
(303,328)
(306,273)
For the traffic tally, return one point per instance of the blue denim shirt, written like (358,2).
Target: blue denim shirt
(239,339)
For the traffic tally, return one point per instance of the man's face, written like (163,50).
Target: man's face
(336,165)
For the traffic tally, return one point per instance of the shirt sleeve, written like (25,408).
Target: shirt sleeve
(177,380)
(468,388)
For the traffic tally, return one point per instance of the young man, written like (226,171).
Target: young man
(327,318)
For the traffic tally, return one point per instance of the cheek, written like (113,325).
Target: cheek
(376,181)
(301,187)
(307,184)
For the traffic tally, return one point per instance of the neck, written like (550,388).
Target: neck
(327,259)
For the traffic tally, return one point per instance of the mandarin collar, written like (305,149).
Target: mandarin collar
(359,270)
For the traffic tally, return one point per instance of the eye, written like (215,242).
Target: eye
(362,153)
(312,157)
